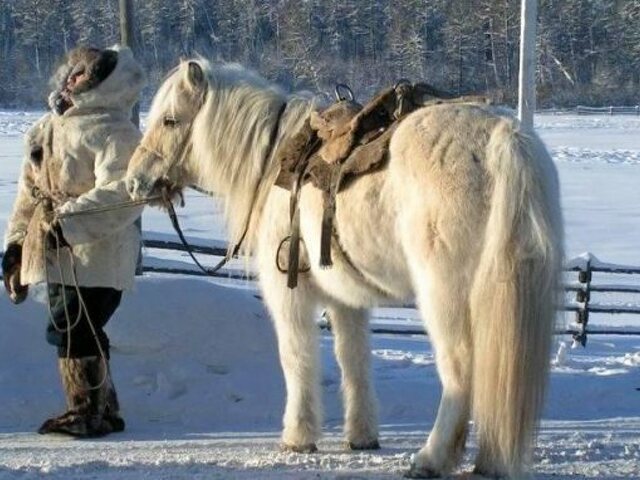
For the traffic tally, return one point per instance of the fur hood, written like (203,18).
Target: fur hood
(119,91)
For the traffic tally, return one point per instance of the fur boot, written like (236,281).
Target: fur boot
(92,403)
(112,408)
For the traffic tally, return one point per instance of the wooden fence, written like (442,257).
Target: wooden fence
(582,290)
(611,110)
(586,279)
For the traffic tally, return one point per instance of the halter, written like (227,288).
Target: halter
(184,145)
(183,152)
(231,252)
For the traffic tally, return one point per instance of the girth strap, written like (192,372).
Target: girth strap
(294,214)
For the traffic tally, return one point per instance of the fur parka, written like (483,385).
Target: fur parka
(79,159)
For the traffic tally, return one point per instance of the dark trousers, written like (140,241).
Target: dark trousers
(70,329)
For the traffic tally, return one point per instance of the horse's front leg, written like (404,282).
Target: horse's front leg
(351,339)
(293,316)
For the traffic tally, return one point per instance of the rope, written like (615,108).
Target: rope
(82,306)
(109,208)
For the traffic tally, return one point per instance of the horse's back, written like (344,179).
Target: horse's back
(443,138)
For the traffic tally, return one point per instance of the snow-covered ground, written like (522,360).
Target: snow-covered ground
(196,363)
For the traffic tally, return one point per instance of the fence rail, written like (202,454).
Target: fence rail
(611,110)
(582,287)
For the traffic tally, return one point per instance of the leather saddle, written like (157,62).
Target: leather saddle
(342,142)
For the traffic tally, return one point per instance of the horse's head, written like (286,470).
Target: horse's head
(162,156)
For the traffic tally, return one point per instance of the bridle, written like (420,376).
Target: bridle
(167,188)
(184,148)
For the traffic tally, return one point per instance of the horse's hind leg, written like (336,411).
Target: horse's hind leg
(444,306)
(351,340)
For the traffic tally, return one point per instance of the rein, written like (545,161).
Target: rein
(110,208)
(232,252)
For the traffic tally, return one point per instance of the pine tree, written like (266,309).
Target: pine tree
(588,50)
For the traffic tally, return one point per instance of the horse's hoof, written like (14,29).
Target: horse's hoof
(309,448)
(482,473)
(421,472)
(471,476)
(372,445)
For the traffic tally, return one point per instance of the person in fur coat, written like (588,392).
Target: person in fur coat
(77,156)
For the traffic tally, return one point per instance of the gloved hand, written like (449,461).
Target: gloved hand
(55,237)
(11,263)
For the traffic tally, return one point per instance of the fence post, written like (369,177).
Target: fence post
(637,109)
(583,295)
(128,40)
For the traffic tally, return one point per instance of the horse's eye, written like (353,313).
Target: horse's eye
(170,122)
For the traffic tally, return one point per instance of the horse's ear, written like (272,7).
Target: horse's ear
(195,75)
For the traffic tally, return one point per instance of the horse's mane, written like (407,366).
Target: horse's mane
(231,137)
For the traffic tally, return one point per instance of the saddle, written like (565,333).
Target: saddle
(343,142)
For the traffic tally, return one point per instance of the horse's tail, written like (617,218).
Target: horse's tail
(514,296)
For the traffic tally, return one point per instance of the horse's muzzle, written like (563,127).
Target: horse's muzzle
(139,187)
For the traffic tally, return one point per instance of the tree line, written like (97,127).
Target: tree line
(588,50)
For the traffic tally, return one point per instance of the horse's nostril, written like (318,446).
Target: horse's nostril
(133,187)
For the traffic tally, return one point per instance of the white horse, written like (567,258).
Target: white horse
(465,218)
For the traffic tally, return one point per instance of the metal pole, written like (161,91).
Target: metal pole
(527,79)
(127,39)
(126,22)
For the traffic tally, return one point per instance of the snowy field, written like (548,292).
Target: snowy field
(196,365)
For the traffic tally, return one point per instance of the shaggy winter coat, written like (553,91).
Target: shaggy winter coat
(79,158)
